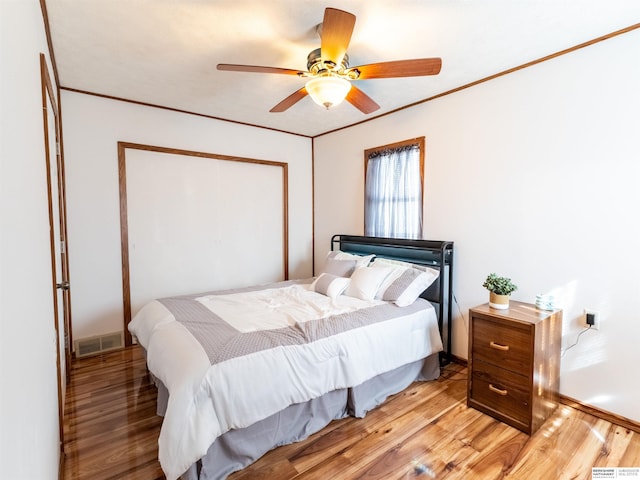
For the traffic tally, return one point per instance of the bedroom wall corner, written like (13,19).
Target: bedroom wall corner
(555,145)
(29,436)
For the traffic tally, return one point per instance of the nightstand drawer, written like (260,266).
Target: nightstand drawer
(502,344)
(501,390)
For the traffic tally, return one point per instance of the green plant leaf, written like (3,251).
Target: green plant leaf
(499,285)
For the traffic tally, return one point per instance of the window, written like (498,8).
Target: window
(393,190)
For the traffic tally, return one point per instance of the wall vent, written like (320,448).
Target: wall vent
(95,345)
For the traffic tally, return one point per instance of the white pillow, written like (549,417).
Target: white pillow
(396,271)
(361,260)
(366,281)
(330,285)
(406,288)
(340,268)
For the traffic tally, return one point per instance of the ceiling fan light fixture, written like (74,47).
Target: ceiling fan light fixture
(328,91)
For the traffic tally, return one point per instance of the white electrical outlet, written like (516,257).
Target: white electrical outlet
(596,318)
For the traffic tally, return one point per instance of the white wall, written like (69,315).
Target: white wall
(533,175)
(92,127)
(29,435)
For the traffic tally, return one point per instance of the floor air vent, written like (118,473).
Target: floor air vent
(94,345)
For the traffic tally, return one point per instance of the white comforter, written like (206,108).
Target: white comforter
(207,400)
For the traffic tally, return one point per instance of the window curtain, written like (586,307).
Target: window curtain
(393,197)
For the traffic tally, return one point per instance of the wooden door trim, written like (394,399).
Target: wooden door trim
(48,96)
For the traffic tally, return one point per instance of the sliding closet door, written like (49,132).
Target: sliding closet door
(198,222)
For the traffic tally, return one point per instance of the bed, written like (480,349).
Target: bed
(242,371)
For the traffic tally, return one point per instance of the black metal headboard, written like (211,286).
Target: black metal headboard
(432,253)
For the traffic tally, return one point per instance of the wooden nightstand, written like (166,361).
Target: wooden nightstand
(514,363)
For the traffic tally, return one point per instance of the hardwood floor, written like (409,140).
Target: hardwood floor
(111,430)
(425,432)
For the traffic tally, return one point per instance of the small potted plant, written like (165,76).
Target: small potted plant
(500,288)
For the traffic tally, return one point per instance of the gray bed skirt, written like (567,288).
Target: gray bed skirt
(237,449)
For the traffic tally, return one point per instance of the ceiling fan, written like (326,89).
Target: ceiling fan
(329,71)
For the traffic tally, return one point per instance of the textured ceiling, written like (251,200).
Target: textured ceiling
(165,52)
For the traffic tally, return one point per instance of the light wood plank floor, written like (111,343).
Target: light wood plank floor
(425,432)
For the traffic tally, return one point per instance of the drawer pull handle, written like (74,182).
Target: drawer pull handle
(499,391)
(497,346)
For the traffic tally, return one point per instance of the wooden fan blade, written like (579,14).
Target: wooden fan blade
(291,100)
(337,28)
(361,100)
(256,69)
(400,68)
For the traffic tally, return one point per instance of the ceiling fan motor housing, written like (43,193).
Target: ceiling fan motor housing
(316,66)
